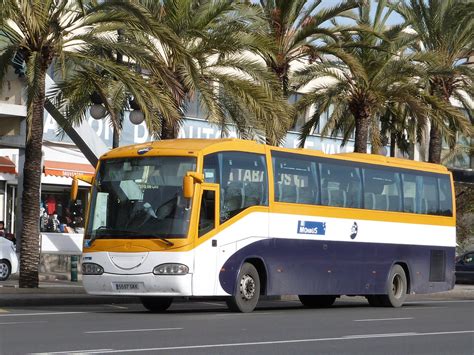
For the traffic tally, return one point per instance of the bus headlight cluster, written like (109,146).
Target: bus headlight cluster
(92,269)
(171,269)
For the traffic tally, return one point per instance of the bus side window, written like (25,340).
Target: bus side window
(207,215)
(445,197)
(295,178)
(242,178)
(341,185)
(429,195)
(409,193)
(382,190)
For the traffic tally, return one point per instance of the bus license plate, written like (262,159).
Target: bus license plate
(127,286)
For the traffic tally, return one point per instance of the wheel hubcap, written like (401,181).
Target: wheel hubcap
(397,287)
(3,270)
(247,287)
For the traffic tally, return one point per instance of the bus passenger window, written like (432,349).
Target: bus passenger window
(429,195)
(445,198)
(382,190)
(340,185)
(409,193)
(295,178)
(207,215)
(242,178)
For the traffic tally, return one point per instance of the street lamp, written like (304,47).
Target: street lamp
(136,115)
(98,112)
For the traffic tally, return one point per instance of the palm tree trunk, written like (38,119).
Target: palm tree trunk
(434,155)
(29,250)
(361,133)
(393,144)
(168,130)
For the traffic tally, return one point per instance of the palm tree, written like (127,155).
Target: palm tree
(295,28)
(41,33)
(96,75)
(230,86)
(445,29)
(378,78)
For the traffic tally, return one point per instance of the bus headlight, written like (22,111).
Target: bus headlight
(92,269)
(171,269)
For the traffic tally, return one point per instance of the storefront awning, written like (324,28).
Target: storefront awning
(7,166)
(59,168)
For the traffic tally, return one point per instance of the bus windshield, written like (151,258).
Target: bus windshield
(140,198)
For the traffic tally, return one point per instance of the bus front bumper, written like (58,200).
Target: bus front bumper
(138,285)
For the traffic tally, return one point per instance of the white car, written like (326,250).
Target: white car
(8,259)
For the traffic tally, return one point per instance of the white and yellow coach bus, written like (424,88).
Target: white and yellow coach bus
(239,219)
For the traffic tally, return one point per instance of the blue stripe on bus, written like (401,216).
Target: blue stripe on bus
(336,268)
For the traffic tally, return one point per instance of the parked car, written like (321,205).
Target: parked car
(8,259)
(465,267)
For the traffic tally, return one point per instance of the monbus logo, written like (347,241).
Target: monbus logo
(309,227)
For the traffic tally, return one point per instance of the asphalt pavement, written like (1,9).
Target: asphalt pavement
(433,324)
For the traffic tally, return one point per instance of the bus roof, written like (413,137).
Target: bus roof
(190,146)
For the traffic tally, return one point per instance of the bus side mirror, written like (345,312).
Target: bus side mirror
(75,184)
(188,187)
(188,183)
(74,189)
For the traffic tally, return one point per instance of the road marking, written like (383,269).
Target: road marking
(380,319)
(130,330)
(295,341)
(440,301)
(39,314)
(88,351)
(38,321)
(386,335)
(427,308)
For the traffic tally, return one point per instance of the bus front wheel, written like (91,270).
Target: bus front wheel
(247,290)
(317,301)
(156,304)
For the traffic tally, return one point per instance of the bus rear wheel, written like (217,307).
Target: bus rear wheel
(396,288)
(156,304)
(247,290)
(317,301)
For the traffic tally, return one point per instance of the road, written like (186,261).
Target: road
(423,326)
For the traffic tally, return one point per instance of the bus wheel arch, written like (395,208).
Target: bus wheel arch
(405,268)
(262,273)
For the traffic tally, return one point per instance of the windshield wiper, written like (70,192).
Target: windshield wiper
(166,241)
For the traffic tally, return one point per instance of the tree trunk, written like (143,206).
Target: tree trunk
(168,130)
(361,133)
(393,144)
(435,146)
(29,251)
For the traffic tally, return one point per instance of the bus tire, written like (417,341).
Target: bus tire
(396,288)
(317,301)
(247,290)
(156,304)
